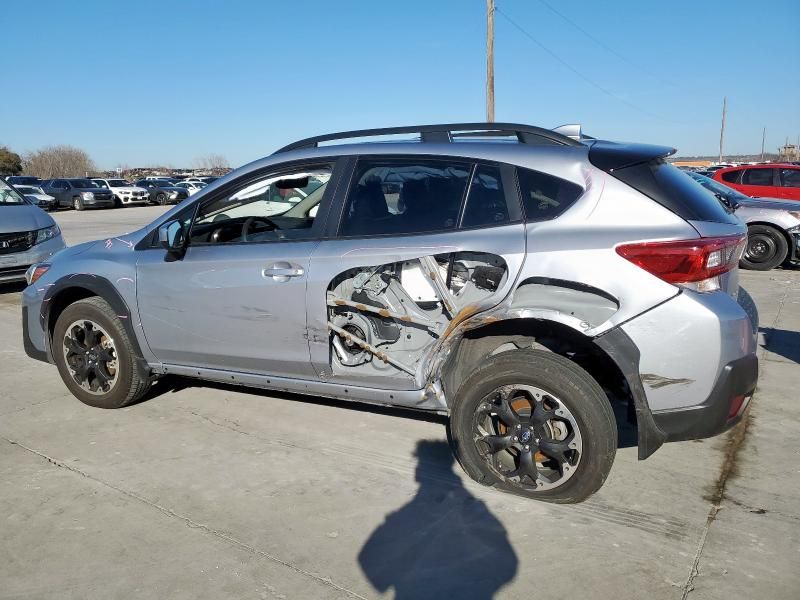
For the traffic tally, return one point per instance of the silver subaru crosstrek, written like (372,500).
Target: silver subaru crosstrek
(523,281)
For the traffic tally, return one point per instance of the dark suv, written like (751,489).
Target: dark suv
(78,193)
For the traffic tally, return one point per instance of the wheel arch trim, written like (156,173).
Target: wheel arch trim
(80,284)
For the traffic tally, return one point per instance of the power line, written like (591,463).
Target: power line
(605,46)
(568,66)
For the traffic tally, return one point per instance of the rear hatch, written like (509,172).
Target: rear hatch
(644,168)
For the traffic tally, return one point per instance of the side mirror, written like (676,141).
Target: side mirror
(170,235)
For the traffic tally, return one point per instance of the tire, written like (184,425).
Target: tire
(127,386)
(766,248)
(586,426)
(161,198)
(77,203)
(117,202)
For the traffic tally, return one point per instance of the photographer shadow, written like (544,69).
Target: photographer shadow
(444,542)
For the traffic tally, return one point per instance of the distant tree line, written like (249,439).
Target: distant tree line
(68,161)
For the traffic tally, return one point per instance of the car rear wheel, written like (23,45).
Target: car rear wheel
(95,357)
(77,203)
(535,424)
(766,248)
(161,198)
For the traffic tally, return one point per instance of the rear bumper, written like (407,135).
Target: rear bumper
(721,410)
(690,364)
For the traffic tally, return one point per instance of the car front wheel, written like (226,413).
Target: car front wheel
(535,424)
(77,203)
(161,198)
(95,357)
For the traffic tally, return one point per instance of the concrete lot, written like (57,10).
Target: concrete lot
(215,492)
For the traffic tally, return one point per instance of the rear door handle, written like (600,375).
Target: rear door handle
(282,271)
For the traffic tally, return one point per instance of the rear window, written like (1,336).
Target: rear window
(790,178)
(676,191)
(731,176)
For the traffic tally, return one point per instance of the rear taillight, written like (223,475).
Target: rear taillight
(686,261)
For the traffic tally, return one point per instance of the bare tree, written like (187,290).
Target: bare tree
(58,161)
(211,162)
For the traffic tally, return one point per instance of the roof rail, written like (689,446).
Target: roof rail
(445,133)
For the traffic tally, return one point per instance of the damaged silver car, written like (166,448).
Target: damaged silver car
(538,286)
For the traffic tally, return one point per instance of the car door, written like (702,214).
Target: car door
(235,300)
(759,182)
(60,189)
(789,183)
(408,228)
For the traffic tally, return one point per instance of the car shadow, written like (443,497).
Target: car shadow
(443,543)
(171,384)
(782,342)
(627,432)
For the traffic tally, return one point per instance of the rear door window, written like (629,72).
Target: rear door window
(757,177)
(545,197)
(486,202)
(404,196)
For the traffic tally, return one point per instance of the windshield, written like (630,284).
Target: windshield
(20,179)
(8,195)
(717,188)
(83,183)
(27,189)
(118,183)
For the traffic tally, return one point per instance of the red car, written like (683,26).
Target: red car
(768,181)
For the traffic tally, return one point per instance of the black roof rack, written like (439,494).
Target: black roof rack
(444,133)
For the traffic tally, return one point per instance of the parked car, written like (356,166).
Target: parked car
(37,197)
(763,181)
(28,235)
(522,289)
(23,180)
(773,226)
(202,179)
(125,194)
(162,192)
(191,186)
(78,193)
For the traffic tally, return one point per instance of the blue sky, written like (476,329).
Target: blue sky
(143,82)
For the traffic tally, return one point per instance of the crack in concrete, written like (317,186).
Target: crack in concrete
(732,447)
(327,581)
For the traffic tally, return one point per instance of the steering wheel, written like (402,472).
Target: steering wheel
(249,222)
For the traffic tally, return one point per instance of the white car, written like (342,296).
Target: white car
(191,186)
(125,194)
(36,195)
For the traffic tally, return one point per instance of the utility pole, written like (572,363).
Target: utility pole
(722,129)
(490,61)
(763,137)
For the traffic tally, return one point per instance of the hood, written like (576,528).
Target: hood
(770,203)
(23,217)
(96,191)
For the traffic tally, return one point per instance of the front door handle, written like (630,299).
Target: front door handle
(283,271)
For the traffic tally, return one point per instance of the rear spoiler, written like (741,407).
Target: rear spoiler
(611,156)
